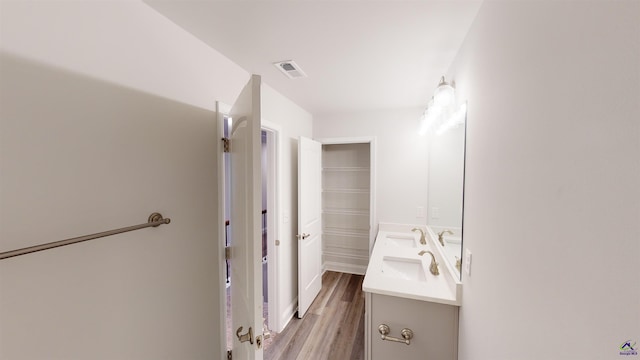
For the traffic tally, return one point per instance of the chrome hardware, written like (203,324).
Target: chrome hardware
(433,267)
(158,219)
(407,334)
(423,241)
(441,233)
(265,330)
(458,264)
(303,236)
(277,242)
(155,220)
(229,356)
(226,145)
(246,337)
(227,252)
(259,341)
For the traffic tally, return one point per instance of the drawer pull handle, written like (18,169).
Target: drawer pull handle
(407,334)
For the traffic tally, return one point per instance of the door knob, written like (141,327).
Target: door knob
(303,236)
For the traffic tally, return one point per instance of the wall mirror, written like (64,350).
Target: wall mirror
(445,190)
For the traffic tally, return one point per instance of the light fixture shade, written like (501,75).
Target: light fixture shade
(456,119)
(444,95)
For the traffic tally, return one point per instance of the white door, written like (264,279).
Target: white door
(245,221)
(309,222)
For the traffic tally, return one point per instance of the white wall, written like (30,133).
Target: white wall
(552,203)
(106,118)
(127,43)
(401,158)
(81,156)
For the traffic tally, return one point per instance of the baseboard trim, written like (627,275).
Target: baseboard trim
(287,315)
(345,268)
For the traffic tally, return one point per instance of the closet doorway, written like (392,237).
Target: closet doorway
(347,204)
(337,180)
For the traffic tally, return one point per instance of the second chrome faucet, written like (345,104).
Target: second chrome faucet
(423,241)
(433,267)
(441,234)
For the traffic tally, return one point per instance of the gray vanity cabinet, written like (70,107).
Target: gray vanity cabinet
(434,326)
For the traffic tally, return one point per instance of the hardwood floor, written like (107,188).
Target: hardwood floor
(333,328)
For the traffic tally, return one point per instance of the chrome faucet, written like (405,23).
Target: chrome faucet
(441,233)
(422,239)
(433,267)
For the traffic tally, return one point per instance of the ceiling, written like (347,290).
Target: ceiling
(358,55)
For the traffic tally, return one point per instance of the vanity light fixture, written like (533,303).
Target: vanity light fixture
(445,94)
(441,114)
(457,118)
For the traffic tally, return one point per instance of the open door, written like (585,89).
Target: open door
(245,220)
(309,222)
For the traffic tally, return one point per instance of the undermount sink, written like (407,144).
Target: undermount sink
(403,268)
(401,240)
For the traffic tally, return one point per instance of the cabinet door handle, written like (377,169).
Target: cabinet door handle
(407,334)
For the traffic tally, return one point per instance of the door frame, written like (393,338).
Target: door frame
(273,220)
(371,140)
(222,110)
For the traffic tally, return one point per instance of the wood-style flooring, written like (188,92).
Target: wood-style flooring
(333,327)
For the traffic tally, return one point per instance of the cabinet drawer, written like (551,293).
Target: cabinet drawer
(435,329)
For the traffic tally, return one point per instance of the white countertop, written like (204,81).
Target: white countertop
(442,288)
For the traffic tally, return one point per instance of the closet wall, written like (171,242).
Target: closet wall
(346,202)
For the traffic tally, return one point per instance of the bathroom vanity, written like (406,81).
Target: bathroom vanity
(410,313)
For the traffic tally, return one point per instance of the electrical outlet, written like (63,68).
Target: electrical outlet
(467,261)
(420,212)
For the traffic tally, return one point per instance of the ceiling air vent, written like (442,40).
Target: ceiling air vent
(290,69)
